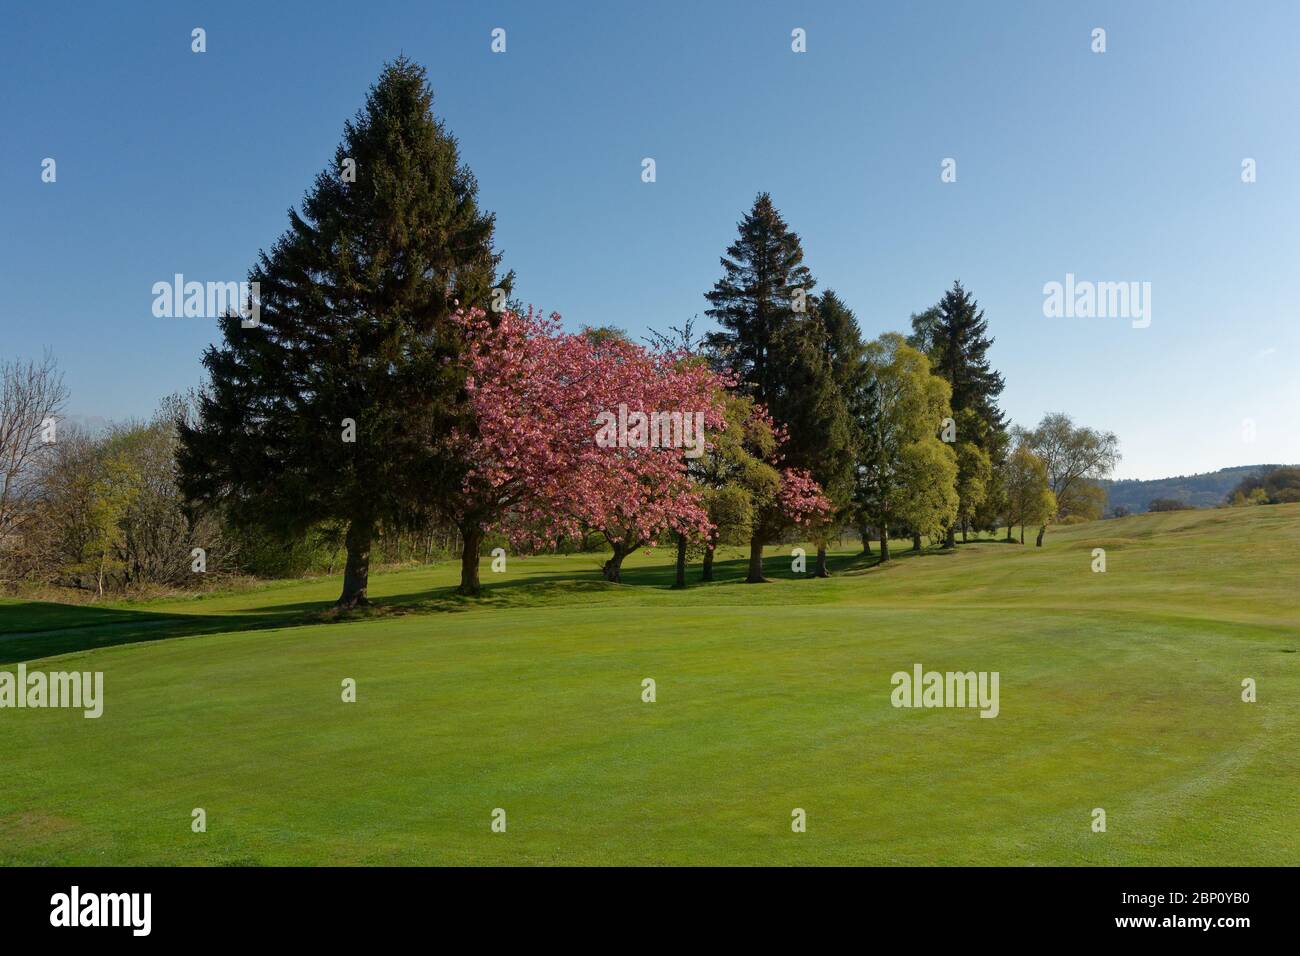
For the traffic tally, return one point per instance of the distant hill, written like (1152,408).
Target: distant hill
(1200,491)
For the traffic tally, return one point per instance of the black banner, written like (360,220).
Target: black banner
(1219,906)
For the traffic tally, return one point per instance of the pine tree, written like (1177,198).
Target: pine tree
(765,288)
(779,351)
(331,407)
(953,334)
(844,338)
(958,347)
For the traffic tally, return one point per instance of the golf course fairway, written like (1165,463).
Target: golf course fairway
(1119,690)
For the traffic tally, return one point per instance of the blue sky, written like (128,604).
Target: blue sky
(1121,166)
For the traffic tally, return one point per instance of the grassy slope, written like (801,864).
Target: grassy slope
(1119,691)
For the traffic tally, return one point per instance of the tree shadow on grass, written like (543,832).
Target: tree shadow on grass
(34,629)
(107,627)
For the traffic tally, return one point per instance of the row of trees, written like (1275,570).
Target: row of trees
(385,386)
(92,510)
(904,435)
(100,509)
(391,384)
(1273,486)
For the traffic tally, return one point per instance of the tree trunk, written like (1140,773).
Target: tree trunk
(821,571)
(916,541)
(1022,534)
(756,562)
(884,543)
(1009,538)
(951,540)
(707,572)
(1041,531)
(356,572)
(613,568)
(964,539)
(866,540)
(472,535)
(681,561)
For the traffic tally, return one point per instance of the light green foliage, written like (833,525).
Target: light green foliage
(116,486)
(902,480)
(1076,457)
(731,509)
(927,471)
(1029,499)
(1256,496)
(736,471)
(974,472)
(1084,500)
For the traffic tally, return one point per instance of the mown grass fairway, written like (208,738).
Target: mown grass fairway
(1119,690)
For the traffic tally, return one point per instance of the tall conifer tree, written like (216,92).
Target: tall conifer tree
(958,347)
(765,289)
(773,342)
(954,333)
(331,408)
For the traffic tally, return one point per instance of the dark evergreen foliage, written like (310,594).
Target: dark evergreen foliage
(778,347)
(354,306)
(958,345)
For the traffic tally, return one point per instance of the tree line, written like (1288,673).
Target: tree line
(393,385)
(1272,486)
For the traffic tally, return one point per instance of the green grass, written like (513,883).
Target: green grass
(1118,690)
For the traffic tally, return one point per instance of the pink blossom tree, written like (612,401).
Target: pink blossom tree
(661,408)
(567,432)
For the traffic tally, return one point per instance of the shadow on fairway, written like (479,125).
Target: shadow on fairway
(106,627)
(36,629)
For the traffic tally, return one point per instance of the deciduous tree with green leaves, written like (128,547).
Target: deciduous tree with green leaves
(735,473)
(1029,497)
(974,470)
(116,488)
(1074,456)
(835,436)
(906,475)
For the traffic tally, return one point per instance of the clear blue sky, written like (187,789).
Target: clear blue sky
(1116,166)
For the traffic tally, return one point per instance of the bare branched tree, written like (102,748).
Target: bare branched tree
(32,396)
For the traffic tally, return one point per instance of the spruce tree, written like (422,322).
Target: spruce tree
(773,342)
(954,333)
(764,290)
(958,347)
(332,406)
